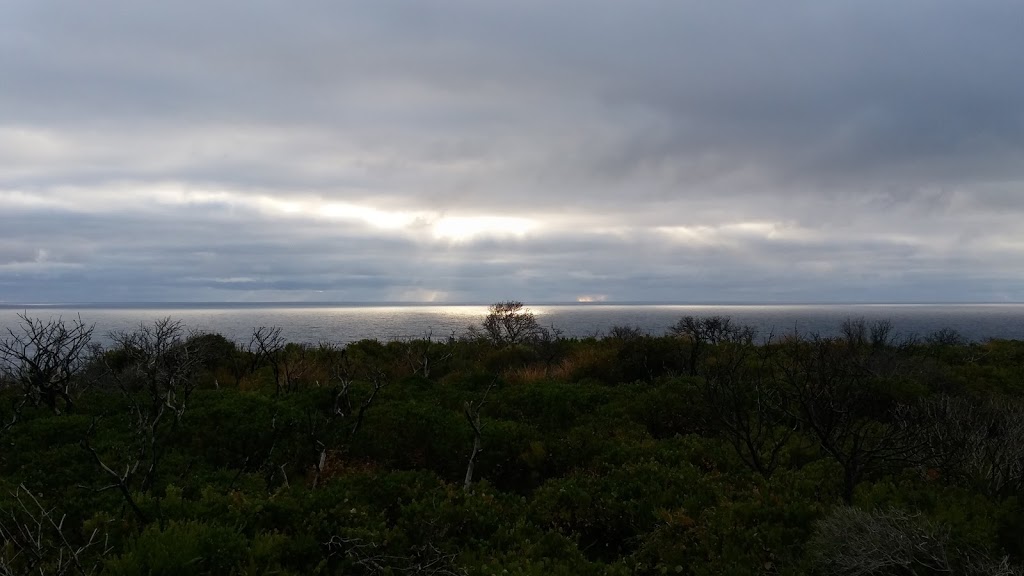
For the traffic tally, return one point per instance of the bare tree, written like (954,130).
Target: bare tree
(881,333)
(44,357)
(510,323)
(344,409)
(745,403)
(267,345)
(701,333)
(156,368)
(36,541)
(297,365)
(626,333)
(425,354)
(828,392)
(945,337)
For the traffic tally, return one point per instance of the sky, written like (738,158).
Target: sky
(537,150)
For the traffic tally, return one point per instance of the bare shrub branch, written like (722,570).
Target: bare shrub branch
(853,542)
(267,345)
(980,444)
(425,560)
(156,368)
(44,358)
(472,412)
(36,541)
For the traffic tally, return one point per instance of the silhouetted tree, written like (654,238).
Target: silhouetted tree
(626,333)
(832,397)
(945,337)
(267,345)
(510,323)
(699,334)
(43,359)
(745,403)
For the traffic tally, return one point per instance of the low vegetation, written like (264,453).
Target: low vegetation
(511,450)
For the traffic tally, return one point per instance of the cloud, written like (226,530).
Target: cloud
(533,150)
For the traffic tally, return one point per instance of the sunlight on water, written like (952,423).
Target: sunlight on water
(346,323)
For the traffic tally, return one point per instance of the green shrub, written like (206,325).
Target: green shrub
(183,548)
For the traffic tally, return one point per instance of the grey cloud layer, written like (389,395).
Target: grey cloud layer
(665,151)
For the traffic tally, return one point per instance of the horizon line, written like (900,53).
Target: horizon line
(382,303)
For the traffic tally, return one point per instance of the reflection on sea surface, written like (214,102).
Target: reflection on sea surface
(345,323)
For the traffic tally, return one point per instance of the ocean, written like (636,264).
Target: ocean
(343,323)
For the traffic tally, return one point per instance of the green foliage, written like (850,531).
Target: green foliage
(514,455)
(549,405)
(234,429)
(621,455)
(670,407)
(608,510)
(414,435)
(648,358)
(185,548)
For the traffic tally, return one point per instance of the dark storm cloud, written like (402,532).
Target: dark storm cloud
(462,150)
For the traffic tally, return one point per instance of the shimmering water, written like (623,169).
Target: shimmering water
(345,323)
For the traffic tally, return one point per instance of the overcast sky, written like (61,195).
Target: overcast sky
(650,150)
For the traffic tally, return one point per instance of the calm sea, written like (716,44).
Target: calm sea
(340,323)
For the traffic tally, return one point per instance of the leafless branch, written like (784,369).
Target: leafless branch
(44,358)
(425,560)
(854,542)
(37,541)
(156,368)
(267,345)
(472,412)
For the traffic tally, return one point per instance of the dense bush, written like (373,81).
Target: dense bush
(701,452)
